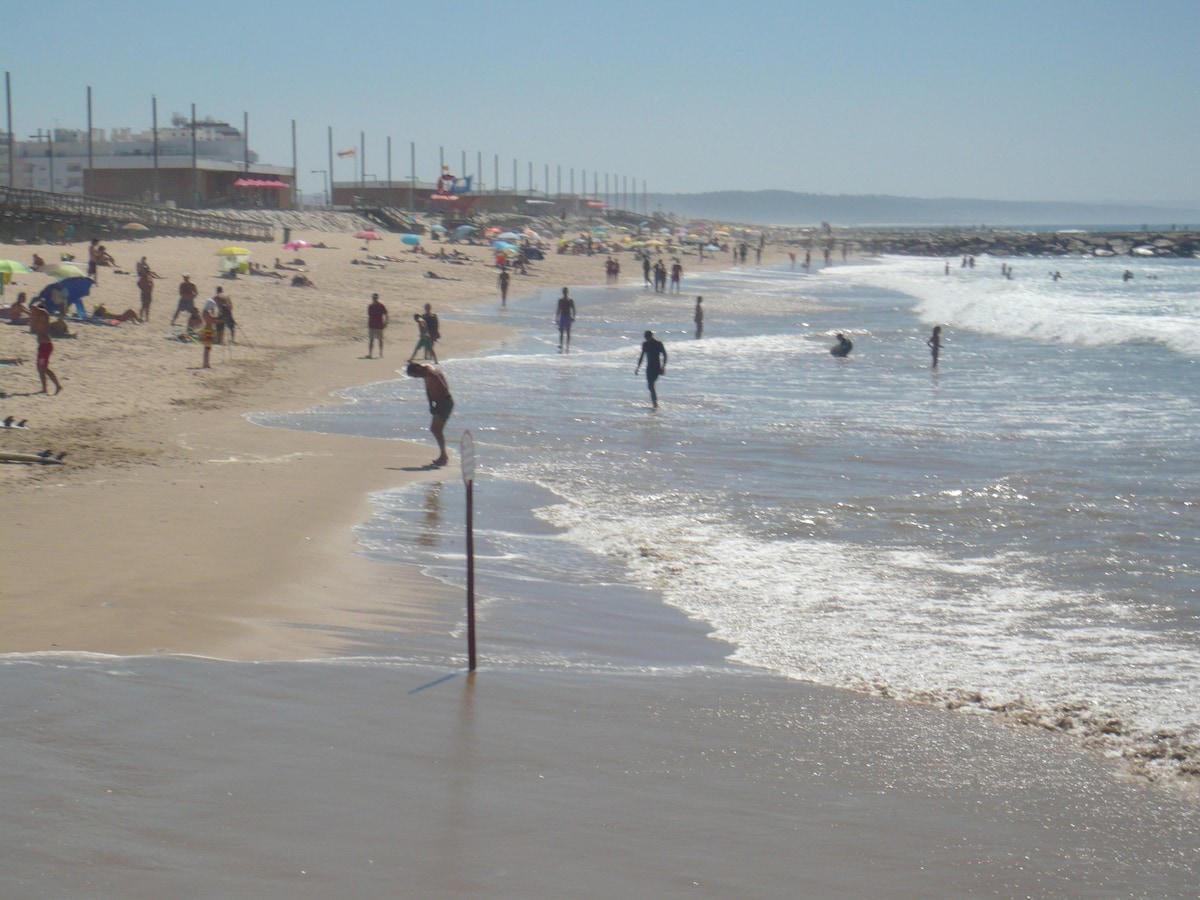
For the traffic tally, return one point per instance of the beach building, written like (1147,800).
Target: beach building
(423,197)
(190,165)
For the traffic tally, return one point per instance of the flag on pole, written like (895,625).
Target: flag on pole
(349,151)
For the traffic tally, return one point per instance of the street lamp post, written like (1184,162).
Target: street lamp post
(324,174)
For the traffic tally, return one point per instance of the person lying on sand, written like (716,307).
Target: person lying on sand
(362,262)
(433,274)
(288,266)
(256,269)
(302,281)
(128,316)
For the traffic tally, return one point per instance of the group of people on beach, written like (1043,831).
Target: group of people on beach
(437,389)
(208,324)
(844,345)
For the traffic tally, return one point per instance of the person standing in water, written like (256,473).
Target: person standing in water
(441,404)
(935,344)
(566,316)
(699,318)
(655,355)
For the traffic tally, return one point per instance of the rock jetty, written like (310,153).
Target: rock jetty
(981,242)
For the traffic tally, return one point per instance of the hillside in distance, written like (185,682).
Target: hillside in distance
(792,208)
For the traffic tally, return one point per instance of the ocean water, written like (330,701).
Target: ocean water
(1014,533)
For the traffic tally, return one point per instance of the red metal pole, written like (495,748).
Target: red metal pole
(471,575)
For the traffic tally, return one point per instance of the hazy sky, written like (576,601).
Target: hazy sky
(1069,100)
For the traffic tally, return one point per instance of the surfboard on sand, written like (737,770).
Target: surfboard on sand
(9,456)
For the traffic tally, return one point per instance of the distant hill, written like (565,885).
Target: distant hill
(791,208)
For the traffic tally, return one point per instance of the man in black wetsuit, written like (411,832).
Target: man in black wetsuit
(655,355)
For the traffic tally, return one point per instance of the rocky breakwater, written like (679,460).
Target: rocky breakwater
(989,242)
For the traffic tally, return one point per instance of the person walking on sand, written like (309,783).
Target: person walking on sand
(699,318)
(225,317)
(935,344)
(505,278)
(566,317)
(655,355)
(434,329)
(145,285)
(93,259)
(441,404)
(39,324)
(208,329)
(424,341)
(187,298)
(377,320)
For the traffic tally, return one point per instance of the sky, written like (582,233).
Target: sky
(1049,100)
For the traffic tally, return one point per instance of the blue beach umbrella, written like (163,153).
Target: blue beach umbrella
(503,245)
(463,230)
(411,239)
(72,289)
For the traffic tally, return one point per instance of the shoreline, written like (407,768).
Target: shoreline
(179,526)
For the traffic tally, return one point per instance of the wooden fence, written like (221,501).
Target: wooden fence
(22,209)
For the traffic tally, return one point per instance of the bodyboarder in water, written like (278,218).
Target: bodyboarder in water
(655,355)
(935,344)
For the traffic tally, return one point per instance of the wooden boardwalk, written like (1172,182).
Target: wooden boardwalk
(29,215)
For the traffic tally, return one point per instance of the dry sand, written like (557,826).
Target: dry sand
(178,526)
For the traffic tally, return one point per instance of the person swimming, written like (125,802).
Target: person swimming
(842,347)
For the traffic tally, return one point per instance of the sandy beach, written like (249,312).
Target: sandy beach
(182,527)
(203,700)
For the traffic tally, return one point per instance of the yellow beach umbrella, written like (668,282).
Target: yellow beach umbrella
(233,251)
(63,270)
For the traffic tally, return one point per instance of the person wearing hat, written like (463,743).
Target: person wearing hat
(655,355)
(187,299)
